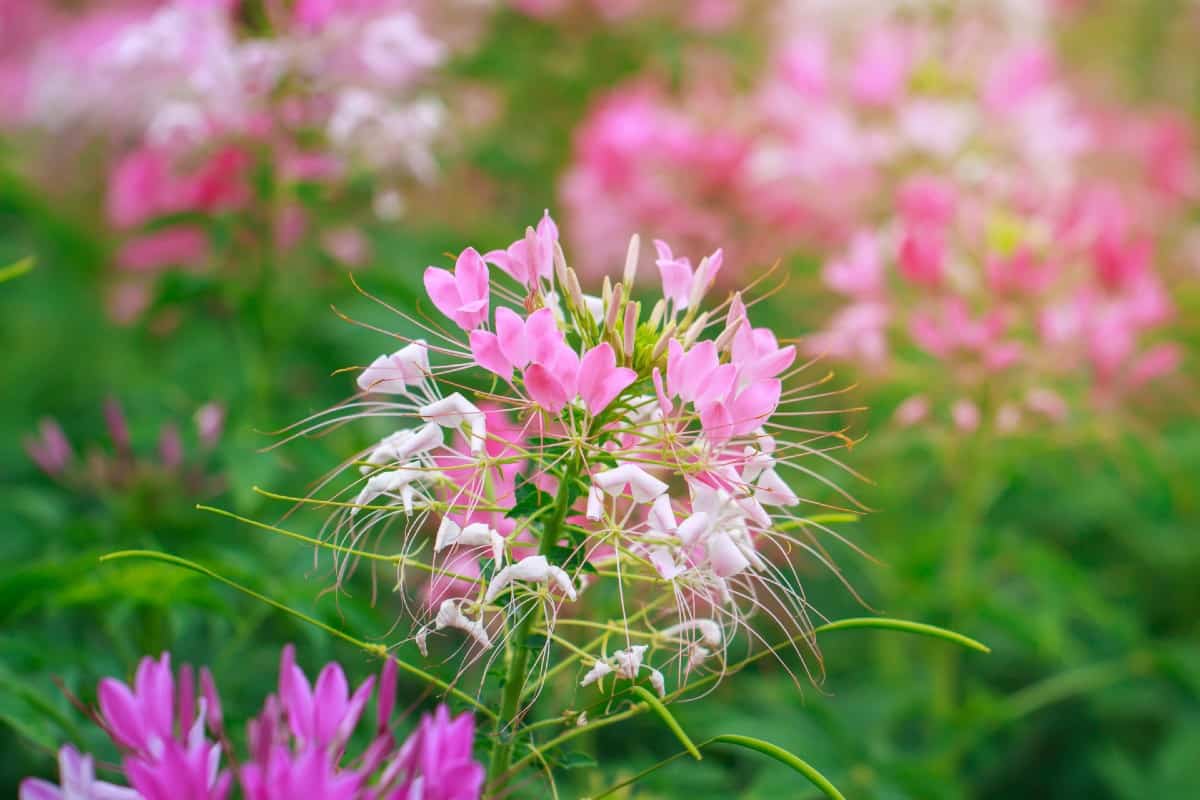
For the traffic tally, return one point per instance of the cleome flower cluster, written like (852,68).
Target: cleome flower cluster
(170,731)
(583,482)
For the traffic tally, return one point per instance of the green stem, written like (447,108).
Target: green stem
(518,661)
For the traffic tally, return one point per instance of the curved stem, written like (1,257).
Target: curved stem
(518,661)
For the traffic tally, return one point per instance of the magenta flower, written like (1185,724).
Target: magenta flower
(436,762)
(324,715)
(296,744)
(77,778)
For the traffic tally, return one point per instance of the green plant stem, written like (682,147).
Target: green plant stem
(965,527)
(518,654)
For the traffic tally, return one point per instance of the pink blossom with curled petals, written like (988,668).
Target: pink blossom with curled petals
(462,295)
(530,259)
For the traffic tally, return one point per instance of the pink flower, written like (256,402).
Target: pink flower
(141,718)
(180,772)
(530,259)
(324,715)
(860,272)
(681,285)
(310,773)
(436,762)
(922,253)
(50,450)
(77,776)
(516,341)
(880,75)
(462,295)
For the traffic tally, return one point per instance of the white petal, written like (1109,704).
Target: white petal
(598,671)
(643,486)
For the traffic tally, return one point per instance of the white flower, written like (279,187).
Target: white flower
(403,445)
(598,671)
(642,485)
(454,412)
(629,661)
(710,631)
(450,615)
(476,534)
(531,569)
(392,482)
(393,374)
(656,680)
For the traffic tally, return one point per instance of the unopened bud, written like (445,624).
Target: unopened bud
(656,314)
(697,328)
(632,310)
(660,346)
(631,260)
(613,308)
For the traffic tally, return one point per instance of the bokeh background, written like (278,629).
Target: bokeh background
(195,181)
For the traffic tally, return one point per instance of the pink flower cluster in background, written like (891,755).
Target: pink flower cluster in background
(192,102)
(966,197)
(119,467)
(171,734)
(703,15)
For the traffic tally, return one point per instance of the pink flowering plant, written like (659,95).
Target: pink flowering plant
(590,504)
(173,742)
(236,132)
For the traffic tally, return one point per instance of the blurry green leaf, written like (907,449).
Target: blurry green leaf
(17,269)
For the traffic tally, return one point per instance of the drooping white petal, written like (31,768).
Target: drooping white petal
(393,374)
(531,569)
(710,630)
(642,485)
(725,557)
(629,661)
(661,519)
(476,534)
(773,491)
(656,680)
(395,481)
(454,412)
(450,615)
(598,671)
(595,503)
(403,445)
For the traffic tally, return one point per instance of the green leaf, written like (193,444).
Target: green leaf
(17,269)
(529,499)
(669,719)
(759,746)
(904,626)
(782,756)
(576,760)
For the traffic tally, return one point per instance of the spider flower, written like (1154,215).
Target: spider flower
(169,730)
(601,455)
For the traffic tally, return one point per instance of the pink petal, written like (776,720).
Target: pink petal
(510,262)
(599,379)
(542,335)
(676,281)
(121,714)
(485,347)
(330,696)
(443,291)
(754,405)
(510,331)
(471,275)
(726,558)
(544,389)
